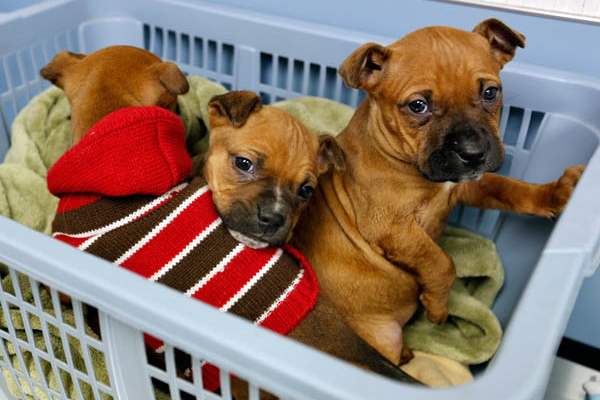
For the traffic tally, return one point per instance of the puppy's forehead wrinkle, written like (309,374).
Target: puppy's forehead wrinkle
(441,54)
(391,142)
(289,149)
(289,137)
(250,150)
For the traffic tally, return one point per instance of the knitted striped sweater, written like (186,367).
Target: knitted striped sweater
(125,197)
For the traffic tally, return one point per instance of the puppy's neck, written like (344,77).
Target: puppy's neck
(367,139)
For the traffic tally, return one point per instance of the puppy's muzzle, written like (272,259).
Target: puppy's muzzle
(466,152)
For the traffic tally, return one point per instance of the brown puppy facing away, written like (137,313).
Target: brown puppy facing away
(424,139)
(113,78)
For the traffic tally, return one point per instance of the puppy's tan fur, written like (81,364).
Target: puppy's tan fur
(113,78)
(371,229)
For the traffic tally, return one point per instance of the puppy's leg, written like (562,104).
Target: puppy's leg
(507,194)
(410,247)
(325,329)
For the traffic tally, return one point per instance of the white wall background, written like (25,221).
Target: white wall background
(579,9)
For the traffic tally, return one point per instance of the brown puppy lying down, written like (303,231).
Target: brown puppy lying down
(425,139)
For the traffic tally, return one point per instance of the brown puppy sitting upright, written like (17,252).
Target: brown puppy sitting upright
(422,141)
(113,78)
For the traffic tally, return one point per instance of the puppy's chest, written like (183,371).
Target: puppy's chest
(428,205)
(432,210)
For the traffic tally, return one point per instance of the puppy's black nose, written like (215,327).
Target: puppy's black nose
(471,150)
(471,156)
(270,219)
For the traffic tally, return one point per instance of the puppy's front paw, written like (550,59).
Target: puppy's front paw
(406,355)
(563,189)
(436,307)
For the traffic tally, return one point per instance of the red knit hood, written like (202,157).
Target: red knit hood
(134,150)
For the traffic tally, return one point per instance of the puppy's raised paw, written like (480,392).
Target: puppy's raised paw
(436,308)
(563,189)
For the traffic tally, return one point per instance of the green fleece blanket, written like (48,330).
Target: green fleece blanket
(41,134)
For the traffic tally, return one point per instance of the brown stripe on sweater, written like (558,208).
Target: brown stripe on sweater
(115,243)
(98,214)
(264,293)
(200,261)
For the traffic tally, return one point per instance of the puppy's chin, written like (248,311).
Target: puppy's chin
(443,168)
(242,222)
(248,241)
(445,176)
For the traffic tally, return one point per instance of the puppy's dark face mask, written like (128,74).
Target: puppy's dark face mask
(463,144)
(268,215)
(436,96)
(262,167)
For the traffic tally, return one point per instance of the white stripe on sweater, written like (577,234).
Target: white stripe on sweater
(183,253)
(83,246)
(220,267)
(281,298)
(125,220)
(252,281)
(162,225)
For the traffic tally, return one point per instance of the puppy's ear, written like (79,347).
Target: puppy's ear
(364,67)
(330,155)
(171,77)
(233,108)
(502,39)
(56,68)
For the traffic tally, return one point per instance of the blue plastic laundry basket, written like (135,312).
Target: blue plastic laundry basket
(280,58)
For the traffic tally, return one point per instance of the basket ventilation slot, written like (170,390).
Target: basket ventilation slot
(283,77)
(20,80)
(209,58)
(520,127)
(55,336)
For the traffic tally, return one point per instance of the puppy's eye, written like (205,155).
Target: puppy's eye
(243,164)
(305,191)
(419,106)
(490,94)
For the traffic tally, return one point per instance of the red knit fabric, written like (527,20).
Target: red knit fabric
(75,201)
(279,320)
(171,240)
(135,150)
(141,151)
(73,241)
